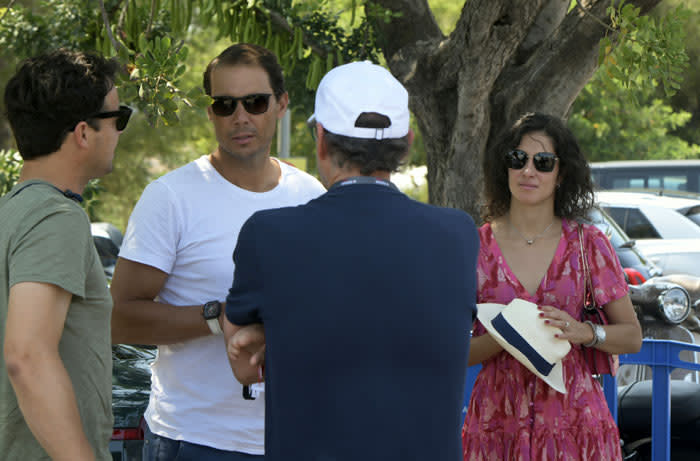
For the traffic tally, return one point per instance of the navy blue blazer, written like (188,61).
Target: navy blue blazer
(367,299)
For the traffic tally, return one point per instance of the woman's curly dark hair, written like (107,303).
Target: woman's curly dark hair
(574,195)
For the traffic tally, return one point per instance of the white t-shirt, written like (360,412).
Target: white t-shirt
(186,224)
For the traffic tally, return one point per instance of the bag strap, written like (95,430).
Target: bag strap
(588,284)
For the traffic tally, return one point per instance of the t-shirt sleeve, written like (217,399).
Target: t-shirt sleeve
(607,275)
(152,233)
(245,296)
(54,250)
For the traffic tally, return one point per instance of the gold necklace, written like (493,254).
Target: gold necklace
(530,241)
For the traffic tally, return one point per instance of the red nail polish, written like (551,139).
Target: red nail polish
(541,314)
(547,322)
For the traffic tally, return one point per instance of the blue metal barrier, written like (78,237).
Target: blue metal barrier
(662,356)
(472,372)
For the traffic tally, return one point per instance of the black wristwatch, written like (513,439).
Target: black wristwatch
(211,312)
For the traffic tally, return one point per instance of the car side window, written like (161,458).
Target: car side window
(639,227)
(695,217)
(633,222)
(620,217)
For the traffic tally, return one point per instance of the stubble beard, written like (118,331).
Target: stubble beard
(254,156)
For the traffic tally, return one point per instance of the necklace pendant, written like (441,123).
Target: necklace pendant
(530,242)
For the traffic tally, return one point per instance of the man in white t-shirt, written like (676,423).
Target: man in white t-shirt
(175,264)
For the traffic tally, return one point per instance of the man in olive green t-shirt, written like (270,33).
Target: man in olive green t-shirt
(55,308)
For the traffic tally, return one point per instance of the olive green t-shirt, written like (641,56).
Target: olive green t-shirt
(45,237)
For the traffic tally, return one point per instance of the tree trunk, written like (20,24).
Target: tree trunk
(504,58)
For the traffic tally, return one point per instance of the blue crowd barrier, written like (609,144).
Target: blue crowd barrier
(662,356)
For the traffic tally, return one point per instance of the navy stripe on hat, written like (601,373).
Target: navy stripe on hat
(501,325)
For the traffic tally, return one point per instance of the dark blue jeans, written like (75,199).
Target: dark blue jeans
(158,448)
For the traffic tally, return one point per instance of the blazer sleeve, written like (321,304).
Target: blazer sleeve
(245,297)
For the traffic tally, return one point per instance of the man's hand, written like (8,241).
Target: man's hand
(249,340)
(245,349)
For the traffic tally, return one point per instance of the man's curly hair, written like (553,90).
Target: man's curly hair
(574,195)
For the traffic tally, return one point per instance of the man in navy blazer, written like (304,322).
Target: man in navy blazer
(363,298)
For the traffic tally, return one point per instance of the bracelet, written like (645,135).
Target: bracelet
(596,338)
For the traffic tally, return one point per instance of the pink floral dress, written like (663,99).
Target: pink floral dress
(512,414)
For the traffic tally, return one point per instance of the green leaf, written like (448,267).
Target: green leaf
(143,43)
(169,105)
(170,118)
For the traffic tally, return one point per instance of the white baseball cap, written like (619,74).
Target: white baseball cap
(520,330)
(352,89)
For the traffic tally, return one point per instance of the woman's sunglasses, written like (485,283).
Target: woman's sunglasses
(255,104)
(544,162)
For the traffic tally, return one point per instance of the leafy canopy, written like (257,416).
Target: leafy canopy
(165,44)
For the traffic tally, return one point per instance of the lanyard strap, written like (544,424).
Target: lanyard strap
(364,180)
(66,193)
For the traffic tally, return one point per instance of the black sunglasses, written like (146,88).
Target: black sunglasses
(122,115)
(544,162)
(255,104)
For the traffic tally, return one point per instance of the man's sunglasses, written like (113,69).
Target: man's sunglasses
(544,162)
(255,104)
(122,115)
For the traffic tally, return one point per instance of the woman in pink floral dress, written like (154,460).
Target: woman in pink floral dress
(537,185)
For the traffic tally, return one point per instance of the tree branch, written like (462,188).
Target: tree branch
(416,24)
(557,71)
(122,16)
(594,17)
(150,18)
(105,18)
(7,8)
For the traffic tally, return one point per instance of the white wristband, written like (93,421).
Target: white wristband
(215,327)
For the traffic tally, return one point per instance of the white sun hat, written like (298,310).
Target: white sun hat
(522,332)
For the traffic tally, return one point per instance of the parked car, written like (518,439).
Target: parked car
(669,239)
(666,175)
(131,387)
(627,252)
(131,366)
(686,204)
(648,216)
(673,256)
(692,212)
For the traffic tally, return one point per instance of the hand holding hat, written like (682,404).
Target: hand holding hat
(525,335)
